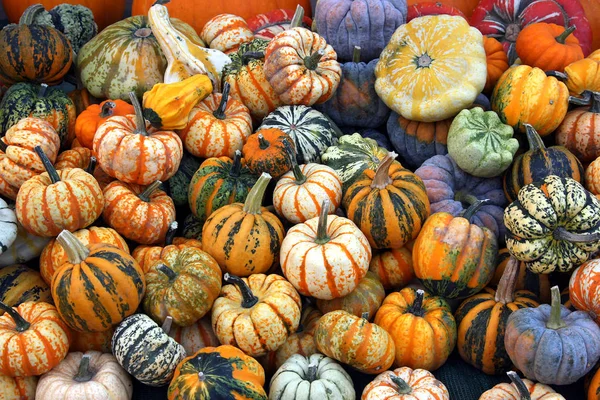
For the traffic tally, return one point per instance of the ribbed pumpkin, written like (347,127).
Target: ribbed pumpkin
(217,126)
(96,341)
(454,258)
(497,62)
(389,204)
(404,383)
(87,303)
(521,389)
(592,177)
(226,32)
(138,213)
(581,75)
(34,339)
(178,186)
(265,151)
(81,157)
(256,314)
(584,290)
(580,131)
(394,267)
(19,284)
(19,387)
(244,238)
(355,341)
(25,248)
(89,121)
(55,200)
(421,326)
(196,336)
(55,256)
(420,9)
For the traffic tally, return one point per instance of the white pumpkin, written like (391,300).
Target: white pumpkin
(26,247)
(8,226)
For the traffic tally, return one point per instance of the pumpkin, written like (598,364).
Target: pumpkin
(417,141)
(380,137)
(453,257)
(96,341)
(480,143)
(591,382)
(226,32)
(568,350)
(582,288)
(50,104)
(196,336)
(591,181)
(268,24)
(18,388)
(25,248)
(19,284)
(409,68)
(388,204)
(404,383)
(547,233)
(138,213)
(538,163)
(127,149)
(81,157)
(38,54)
(256,314)
(579,130)
(192,228)
(311,248)
(82,100)
(315,376)
(177,187)
(301,67)
(82,375)
(525,95)
(89,121)
(354,341)
(8,224)
(55,200)
(266,151)
(520,389)
(217,126)
(580,76)
(421,326)
(393,268)
(431,8)
(355,102)
(34,339)
(54,255)
(218,372)
(548,46)
(497,62)
(145,350)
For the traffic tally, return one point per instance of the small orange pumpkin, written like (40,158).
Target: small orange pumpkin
(580,131)
(497,62)
(580,76)
(266,151)
(592,177)
(88,121)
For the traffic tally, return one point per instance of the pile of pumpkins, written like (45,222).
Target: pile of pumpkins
(277,196)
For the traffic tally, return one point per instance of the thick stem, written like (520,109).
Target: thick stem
(557,74)
(168,272)
(54,177)
(219,113)
(311,374)
(417,306)
(561,233)
(365,316)
(506,287)
(533,138)
(322,236)
(298,17)
(312,62)
(92,165)
(465,198)
(584,100)
(473,208)
(145,195)
(140,121)
(166,326)
(563,36)
(555,321)
(382,175)
(20,324)
(255,197)
(252,55)
(262,142)
(76,251)
(42,90)
(595,108)
(248,298)
(107,109)
(84,374)
(31,13)
(143,33)
(356,54)
(402,386)
(171,231)
(291,154)
(236,167)
(3,146)
(520,385)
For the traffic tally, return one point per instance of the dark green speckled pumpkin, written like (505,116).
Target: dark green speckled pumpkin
(178,185)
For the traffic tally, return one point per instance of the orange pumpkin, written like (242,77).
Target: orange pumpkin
(226,32)
(465,6)
(580,76)
(404,383)
(497,62)
(394,267)
(19,387)
(88,121)
(592,177)
(94,341)
(266,151)
(81,157)
(580,131)
(196,336)
(584,290)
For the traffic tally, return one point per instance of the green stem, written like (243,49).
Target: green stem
(311,375)
(21,324)
(417,306)
(298,17)
(54,177)
(220,111)
(473,208)
(312,62)
(248,298)
(506,287)
(252,55)
(262,142)
(563,36)
(171,231)
(107,109)
(520,385)
(402,386)
(534,139)
(140,121)
(561,233)
(84,374)
(163,269)
(322,225)
(166,326)
(75,249)
(236,167)
(291,154)
(92,165)
(255,197)
(555,321)
(43,89)
(382,175)
(356,54)
(465,198)
(145,195)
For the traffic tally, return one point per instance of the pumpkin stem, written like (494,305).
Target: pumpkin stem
(312,62)
(140,121)
(220,111)
(54,177)
(161,2)
(3,145)
(557,74)
(76,251)
(473,208)
(356,54)
(252,55)
(533,138)
(145,195)
(31,13)
(291,154)
(506,287)
(92,165)
(166,326)
(402,386)
(43,89)
(84,374)
(382,175)
(555,321)
(21,324)
(311,375)
(322,236)
(584,100)
(465,198)
(365,316)
(255,197)
(162,268)
(595,108)
(236,167)
(563,36)
(519,384)
(262,142)
(248,298)
(298,17)
(171,231)
(561,233)
(107,109)
(417,306)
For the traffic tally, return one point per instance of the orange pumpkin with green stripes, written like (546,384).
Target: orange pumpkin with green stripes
(394,267)
(19,284)
(265,151)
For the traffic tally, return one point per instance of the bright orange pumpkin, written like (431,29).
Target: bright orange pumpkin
(394,267)
(497,61)
(88,121)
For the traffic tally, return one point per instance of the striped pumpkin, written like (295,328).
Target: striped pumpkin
(421,326)
(584,292)
(266,151)
(226,32)
(394,267)
(8,226)
(19,284)
(592,177)
(86,303)
(178,186)
(579,130)
(81,157)
(19,388)
(145,350)
(196,336)
(95,341)
(389,204)
(482,321)
(520,389)
(538,163)
(404,383)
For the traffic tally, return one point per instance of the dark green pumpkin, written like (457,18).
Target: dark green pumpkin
(30,100)
(178,185)
(19,284)
(192,227)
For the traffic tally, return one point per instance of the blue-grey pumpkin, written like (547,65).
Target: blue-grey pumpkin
(381,138)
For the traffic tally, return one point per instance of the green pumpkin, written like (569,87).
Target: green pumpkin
(177,186)
(48,103)
(351,156)
(192,227)
(480,143)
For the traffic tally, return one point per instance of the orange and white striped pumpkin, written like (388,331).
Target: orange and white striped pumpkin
(196,336)
(405,383)
(81,157)
(226,32)
(584,288)
(394,267)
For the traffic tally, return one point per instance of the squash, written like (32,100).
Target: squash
(418,54)
(580,76)
(192,228)
(592,172)
(394,268)
(453,257)
(217,126)
(583,292)
(421,326)
(355,341)
(88,121)
(218,372)
(388,204)
(34,339)
(8,226)
(19,284)
(25,248)
(497,62)
(404,383)
(538,163)
(145,350)
(310,248)
(226,32)
(256,314)
(81,157)
(18,388)
(315,376)
(178,186)
(580,130)
(551,344)
(269,23)
(421,9)
(95,341)
(548,234)
(80,375)
(265,151)
(520,389)
(196,336)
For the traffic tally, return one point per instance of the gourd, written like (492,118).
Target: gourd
(25,248)
(226,32)
(579,131)
(497,62)
(8,226)
(20,284)
(265,151)
(88,121)
(365,298)
(404,383)
(394,267)
(421,9)
(583,291)
(520,389)
(580,76)
(196,336)
(21,388)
